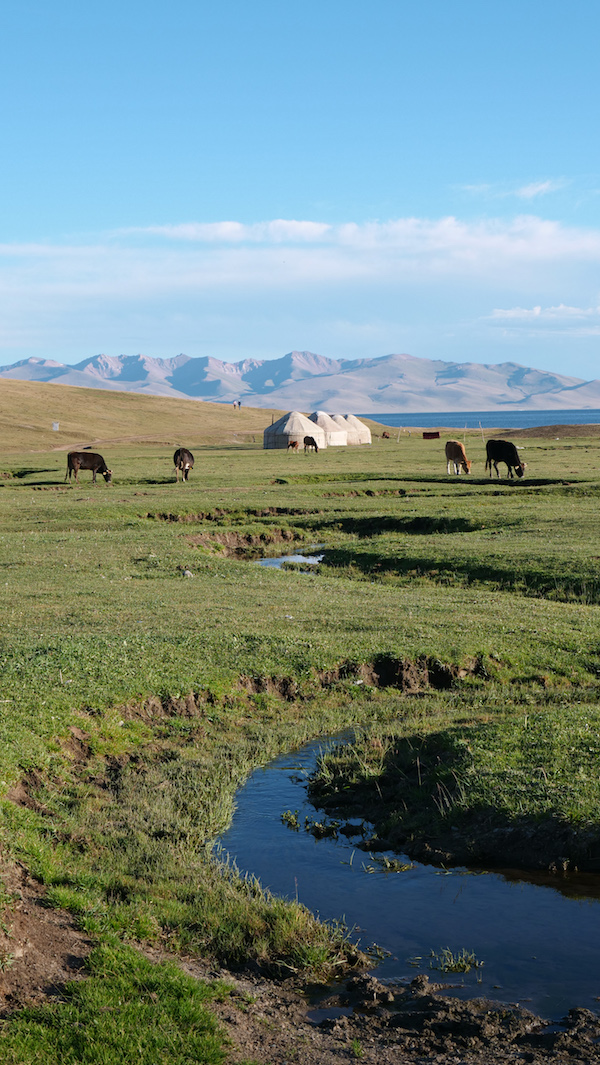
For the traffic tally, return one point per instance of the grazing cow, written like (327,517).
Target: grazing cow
(456,457)
(503,451)
(310,442)
(87,460)
(183,460)
(293,445)
(385,436)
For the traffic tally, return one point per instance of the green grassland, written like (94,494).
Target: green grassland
(454,622)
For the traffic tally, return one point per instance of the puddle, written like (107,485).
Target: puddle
(538,938)
(305,557)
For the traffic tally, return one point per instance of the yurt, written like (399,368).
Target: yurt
(335,435)
(352,434)
(362,430)
(291,429)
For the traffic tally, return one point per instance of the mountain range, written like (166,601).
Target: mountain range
(302,380)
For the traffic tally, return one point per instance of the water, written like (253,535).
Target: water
(277,563)
(494,419)
(539,938)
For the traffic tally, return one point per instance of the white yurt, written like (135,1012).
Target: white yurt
(335,435)
(357,432)
(291,429)
(362,431)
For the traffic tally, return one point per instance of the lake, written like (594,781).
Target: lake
(488,419)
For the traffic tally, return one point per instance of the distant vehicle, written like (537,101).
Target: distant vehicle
(87,460)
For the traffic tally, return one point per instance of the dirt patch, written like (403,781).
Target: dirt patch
(40,948)
(244,545)
(550,432)
(388,1025)
(218,514)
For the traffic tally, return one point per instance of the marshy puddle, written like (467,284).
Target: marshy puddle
(538,938)
(305,557)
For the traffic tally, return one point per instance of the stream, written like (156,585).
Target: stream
(538,936)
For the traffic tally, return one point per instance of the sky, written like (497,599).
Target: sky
(347,177)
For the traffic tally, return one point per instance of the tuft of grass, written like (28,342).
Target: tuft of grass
(128,1011)
(448,961)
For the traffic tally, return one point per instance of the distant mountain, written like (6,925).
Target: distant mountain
(304,381)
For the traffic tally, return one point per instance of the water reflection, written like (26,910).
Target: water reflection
(539,938)
(307,558)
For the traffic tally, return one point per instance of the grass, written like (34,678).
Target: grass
(459,961)
(134,701)
(128,1010)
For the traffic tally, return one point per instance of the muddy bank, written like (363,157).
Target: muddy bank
(390,1025)
(244,545)
(268,1021)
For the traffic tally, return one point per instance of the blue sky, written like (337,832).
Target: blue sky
(351,178)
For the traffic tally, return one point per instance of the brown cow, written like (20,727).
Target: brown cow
(293,445)
(385,436)
(456,456)
(87,460)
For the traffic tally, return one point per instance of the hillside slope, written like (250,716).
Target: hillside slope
(87,416)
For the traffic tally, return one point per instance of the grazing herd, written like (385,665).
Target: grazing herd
(495,450)
(183,460)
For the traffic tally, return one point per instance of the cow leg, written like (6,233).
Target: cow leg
(496,469)
(449,463)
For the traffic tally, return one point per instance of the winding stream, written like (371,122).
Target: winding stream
(539,938)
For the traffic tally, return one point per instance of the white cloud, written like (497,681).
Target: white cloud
(279,231)
(402,270)
(523,192)
(539,188)
(560,320)
(560,313)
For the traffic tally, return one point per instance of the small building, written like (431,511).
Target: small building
(358,432)
(291,429)
(335,435)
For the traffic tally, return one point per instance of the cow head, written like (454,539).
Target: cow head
(520,470)
(467,465)
(107,476)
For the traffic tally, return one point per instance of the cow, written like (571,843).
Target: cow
(385,436)
(456,457)
(293,445)
(310,442)
(503,451)
(183,460)
(87,460)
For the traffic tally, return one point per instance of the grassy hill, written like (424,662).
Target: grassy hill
(91,416)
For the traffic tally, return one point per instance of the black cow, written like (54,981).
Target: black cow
(503,451)
(310,442)
(87,460)
(183,460)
